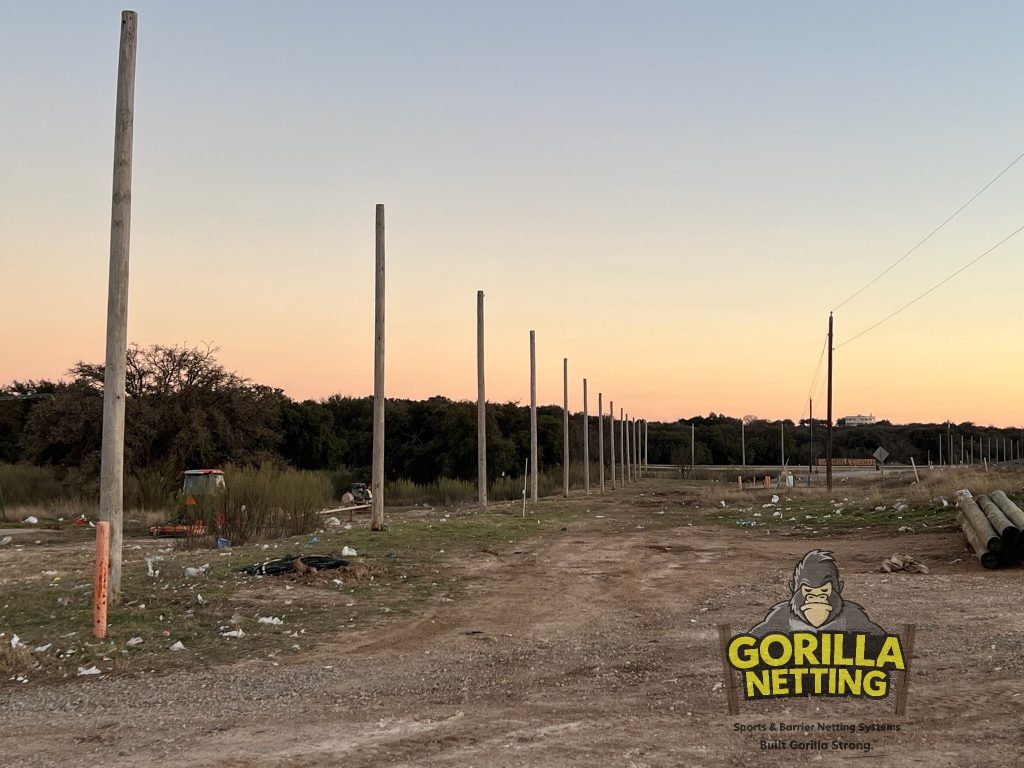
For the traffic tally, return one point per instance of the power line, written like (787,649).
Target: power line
(814,380)
(885,271)
(939,284)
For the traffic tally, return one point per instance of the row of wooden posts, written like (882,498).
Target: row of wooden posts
(633,440)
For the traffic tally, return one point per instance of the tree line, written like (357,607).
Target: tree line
(184,410)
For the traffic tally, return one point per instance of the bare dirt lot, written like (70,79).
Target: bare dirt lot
(593,643)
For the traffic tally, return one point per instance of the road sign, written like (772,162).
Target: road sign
(881,454)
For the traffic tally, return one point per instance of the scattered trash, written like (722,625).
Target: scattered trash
(905,529)
(722,502)
(223,543)
(899,562)
(16,642)
(5,541)
(347,551)
(93,670)
(269,620)
(945,503)
(178,646)
(286,564)
(31,520)
(200,600)
(233,633)
(42,648)
(332,522)
(314,540)
(192,573)
(134,642)
(746,523)
(154,572)
(962,494)
(775,499)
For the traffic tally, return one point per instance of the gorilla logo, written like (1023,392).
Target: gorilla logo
(816,604)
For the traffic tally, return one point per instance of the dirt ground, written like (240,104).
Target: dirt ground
(588,648)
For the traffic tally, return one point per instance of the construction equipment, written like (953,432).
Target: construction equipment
(203,500)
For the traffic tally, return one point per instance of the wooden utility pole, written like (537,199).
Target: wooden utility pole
(600,439)
(743,441)
(828,415)
(640,446)
(533,416)
(377,479)
(611,434)
(961,447)
(116,363)
(622,445)
(586,442)
(565,427)
(782,444)
(629,455)
(693,448)
(646,458)
(481,406)
(810,440)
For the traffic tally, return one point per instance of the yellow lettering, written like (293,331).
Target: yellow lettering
(761,681)
(849,681)
(785,653)
(742,654)
(859,658)
(780,685)
(805,646)
(875,684)
(891,653)
(837,654)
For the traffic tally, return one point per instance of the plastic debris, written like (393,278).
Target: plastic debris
(31,520)
(347,551)
(154,572)
(269,620)
(775,499)
(233,633)
(286,564)
(746,523)
(5,541)
(332,522)
(223,543)
(93,670)
(192,573)
(178,646)
(135,641)
(16,642)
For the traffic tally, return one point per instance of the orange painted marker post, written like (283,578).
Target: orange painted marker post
(99,598)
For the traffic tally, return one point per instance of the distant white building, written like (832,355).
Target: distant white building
(855,421)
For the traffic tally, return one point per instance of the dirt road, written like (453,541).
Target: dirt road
(585,649)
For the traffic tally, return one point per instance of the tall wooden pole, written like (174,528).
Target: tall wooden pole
(828,415)
(693,447)
(611,434)
(600,439)
(586,442)
(810,440)
(647,462)
(743,441)
(377,479)
(114,371)
(622,444)
(481,405)
(533,416)
(782,444)
(565,427)
(637,459)
(629,455)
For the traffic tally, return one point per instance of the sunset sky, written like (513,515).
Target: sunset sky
(673,194)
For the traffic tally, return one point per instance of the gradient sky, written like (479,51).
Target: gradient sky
(673,194)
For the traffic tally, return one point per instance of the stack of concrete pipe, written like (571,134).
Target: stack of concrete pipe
(994,527)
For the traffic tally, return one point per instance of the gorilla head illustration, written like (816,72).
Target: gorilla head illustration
(816,602)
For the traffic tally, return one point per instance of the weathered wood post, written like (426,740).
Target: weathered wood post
(600,439)
(693,448)
(611,434)
(637,458)
(116,363)
(586,443)
(377,477)
(647,458)
(622,445)
(100,583)
(629,454)
(782,444)
(565,427)
(743,441)
(533,416)
(481,405)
